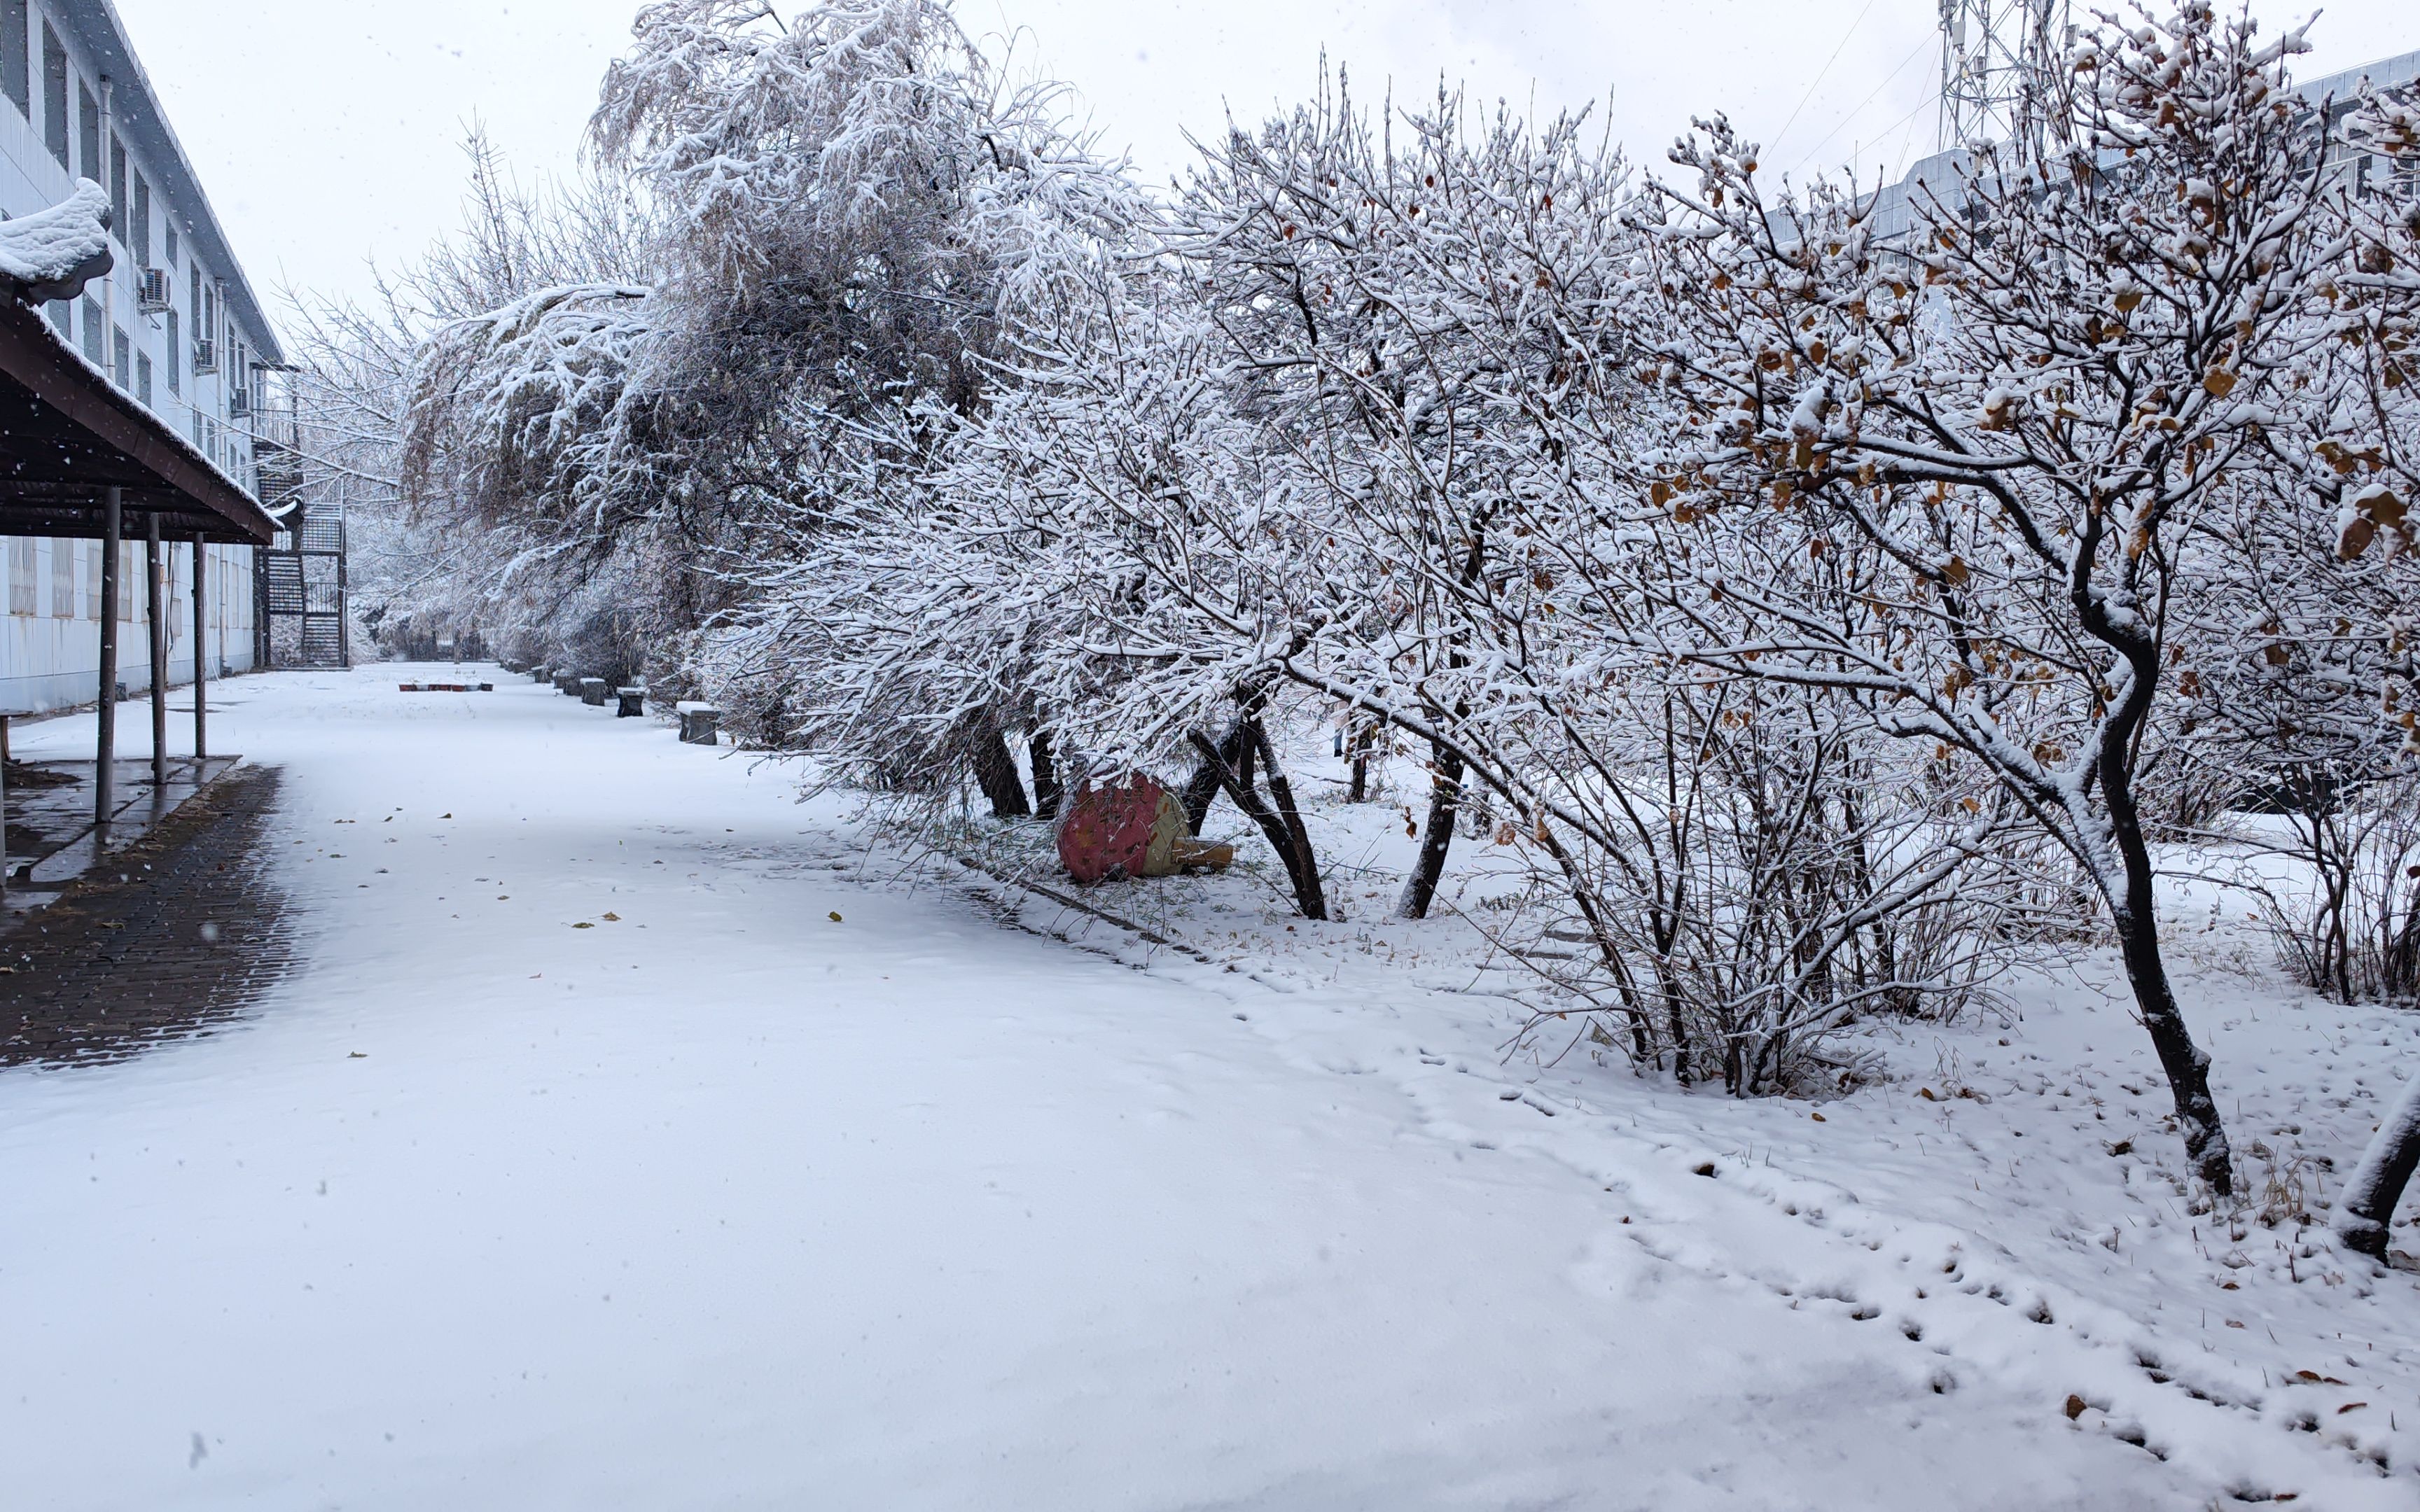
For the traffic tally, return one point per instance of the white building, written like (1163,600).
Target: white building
(175,326)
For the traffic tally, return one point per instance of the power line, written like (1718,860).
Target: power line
(1921,48)
(1817,82)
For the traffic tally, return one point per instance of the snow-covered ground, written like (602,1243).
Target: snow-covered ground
(630,1136)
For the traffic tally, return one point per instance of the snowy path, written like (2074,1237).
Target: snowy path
(722,1202)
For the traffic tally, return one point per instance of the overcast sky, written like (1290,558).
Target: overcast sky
(328,131)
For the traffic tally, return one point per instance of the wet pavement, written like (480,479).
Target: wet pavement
(173,933)
(52,840)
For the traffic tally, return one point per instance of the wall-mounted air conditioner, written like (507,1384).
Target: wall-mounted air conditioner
(153,292)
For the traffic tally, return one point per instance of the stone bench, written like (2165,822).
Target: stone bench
(700,723)
(592,692)
(630,703)
(567,684)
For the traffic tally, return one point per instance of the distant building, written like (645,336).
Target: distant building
(1894,211)
(175,326)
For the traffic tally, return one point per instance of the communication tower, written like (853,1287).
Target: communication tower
(1992,52)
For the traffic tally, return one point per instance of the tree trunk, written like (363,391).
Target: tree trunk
(2187,1065)
(2377,1184)
(1363,738)
(1445,803)
(995,773)
(1047,792)
(2135,916)
(1202,790)
(1285,830)
(1304,864)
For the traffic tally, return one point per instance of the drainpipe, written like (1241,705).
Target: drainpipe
(104,775)
(109,193)
(201,654)
(155,615)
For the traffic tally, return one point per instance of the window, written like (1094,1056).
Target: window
(88,162)
(170,227)
(55,95)
(141,229)
(12,56)
(63,579)
(176,355)
(143,378)
(118,221)
(120,371)
(93,351)
(20,575)
(63,317)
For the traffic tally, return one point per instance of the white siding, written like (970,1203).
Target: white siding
(49,659)
(54,661)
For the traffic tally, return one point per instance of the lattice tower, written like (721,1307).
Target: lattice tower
(1990,53)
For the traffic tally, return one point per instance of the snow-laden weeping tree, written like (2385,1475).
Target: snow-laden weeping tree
(855,202)
(2033,416)
(445,410)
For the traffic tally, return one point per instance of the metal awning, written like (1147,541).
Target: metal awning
(67,433)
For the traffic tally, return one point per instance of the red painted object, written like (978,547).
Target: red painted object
(1107,831)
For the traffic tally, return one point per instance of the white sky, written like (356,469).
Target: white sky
(327,131)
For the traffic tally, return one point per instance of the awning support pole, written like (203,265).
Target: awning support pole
(104,775)
(155,608)
(201,657)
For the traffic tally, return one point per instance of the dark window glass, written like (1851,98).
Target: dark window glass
(63,317)
(140,242)
(55,95)
(143,376)
(171,229)
(121,349)
(118,221)
(13,75)
(175,357)
(88,162)
(89,318)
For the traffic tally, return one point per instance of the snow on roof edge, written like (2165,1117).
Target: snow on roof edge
(105,31)
(146,412)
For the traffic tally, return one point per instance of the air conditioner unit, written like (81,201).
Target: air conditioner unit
(206,357)
(153,295)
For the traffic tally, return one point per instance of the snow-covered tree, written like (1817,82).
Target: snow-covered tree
(2024,418)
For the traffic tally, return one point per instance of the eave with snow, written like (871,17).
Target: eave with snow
(67,435)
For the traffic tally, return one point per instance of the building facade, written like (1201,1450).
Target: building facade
(175,326)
